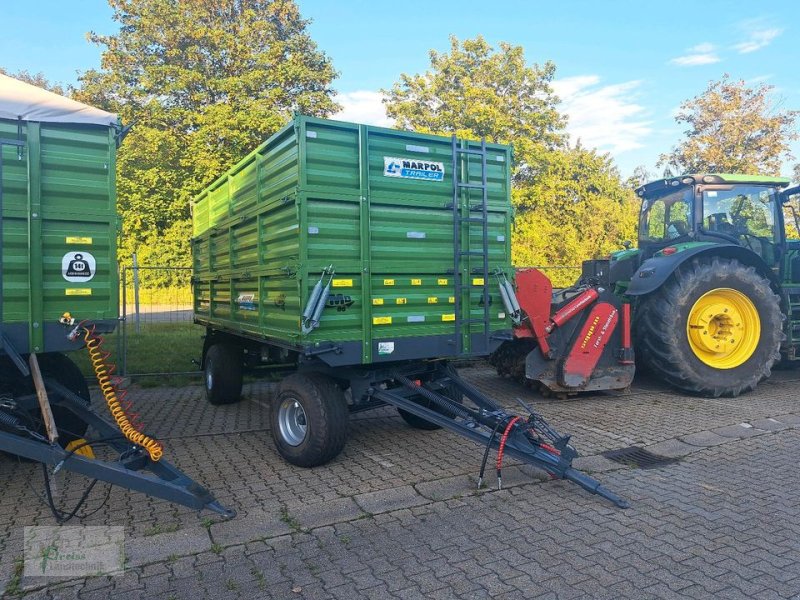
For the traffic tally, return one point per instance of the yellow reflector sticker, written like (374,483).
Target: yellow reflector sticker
(381,320)
(442,281)
(416,282)
(85,451)
(342,283)
(377,301)
(477,281)
(78,291)
(450,317)
(452,299)
(79,240)
(402,301)
(433,300)
(388,282)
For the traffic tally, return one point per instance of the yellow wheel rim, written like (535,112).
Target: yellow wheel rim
(723,328)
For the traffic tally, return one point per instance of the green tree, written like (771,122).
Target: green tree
(203,83)
(37,79)
(796,174)
(571,203)
(475,91)
(578,208)
(732,127)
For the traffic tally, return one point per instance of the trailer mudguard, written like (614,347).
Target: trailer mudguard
(655,271)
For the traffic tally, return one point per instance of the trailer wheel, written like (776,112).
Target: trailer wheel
(309,419)
(714,330)
(59,367)
(223,374)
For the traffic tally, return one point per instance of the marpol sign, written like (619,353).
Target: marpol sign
(412,168)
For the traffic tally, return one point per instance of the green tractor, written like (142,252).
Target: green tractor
(710,299)
(715,281)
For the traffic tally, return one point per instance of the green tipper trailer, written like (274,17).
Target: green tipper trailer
(59,221)
(341,248)
(360,259)
(323,199)
(58,239)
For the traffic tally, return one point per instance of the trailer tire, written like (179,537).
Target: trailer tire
(223,373)
(60,367)
(309,419)
(679,329)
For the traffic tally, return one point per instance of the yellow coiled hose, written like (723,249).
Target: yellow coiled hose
(110,391)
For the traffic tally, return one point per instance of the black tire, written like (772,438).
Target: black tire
(54,366)
(223,372)
(661,322)
(323,418)
(61,368)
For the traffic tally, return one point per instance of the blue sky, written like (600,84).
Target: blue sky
(623,66)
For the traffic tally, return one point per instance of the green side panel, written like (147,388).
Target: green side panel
(317,194)
(59,226)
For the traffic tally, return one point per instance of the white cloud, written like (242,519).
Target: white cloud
(701,54)
(757,39)
(363,106)
(603,116)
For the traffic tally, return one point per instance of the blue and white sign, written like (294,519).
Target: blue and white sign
(413,168)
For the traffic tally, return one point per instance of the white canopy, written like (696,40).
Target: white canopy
(20,100)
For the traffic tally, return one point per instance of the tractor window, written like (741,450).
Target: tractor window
(666,218)
(745,213)
(791,217)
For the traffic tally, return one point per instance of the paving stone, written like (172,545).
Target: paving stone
(705,439)
(159,548)
(770,424)
(596,464)
(388,500)
(789,419)
(672,448)
(743,430)
(257,524)
(446,488)
(326,513)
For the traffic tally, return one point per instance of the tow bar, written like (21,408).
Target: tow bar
(428,395)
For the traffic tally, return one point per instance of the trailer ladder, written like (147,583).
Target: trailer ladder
(463,219)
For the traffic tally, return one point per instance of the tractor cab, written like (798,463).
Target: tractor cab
(745,210)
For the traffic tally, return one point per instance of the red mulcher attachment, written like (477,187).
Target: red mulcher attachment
(575,340)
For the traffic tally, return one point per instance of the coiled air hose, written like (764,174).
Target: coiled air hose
(114,396)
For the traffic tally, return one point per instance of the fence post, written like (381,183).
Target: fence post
(123,354)
(136,291)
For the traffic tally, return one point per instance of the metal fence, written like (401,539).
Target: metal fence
(151,297)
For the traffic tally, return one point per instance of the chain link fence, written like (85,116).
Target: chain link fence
(157,334)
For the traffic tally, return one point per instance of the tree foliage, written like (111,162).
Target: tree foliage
(203,83)
(37,79)
(732,127)
(475,91)
(577,209)
(570,201)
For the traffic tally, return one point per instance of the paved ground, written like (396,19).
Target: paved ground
(397,515)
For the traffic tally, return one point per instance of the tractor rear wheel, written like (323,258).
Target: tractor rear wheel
(713,329)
